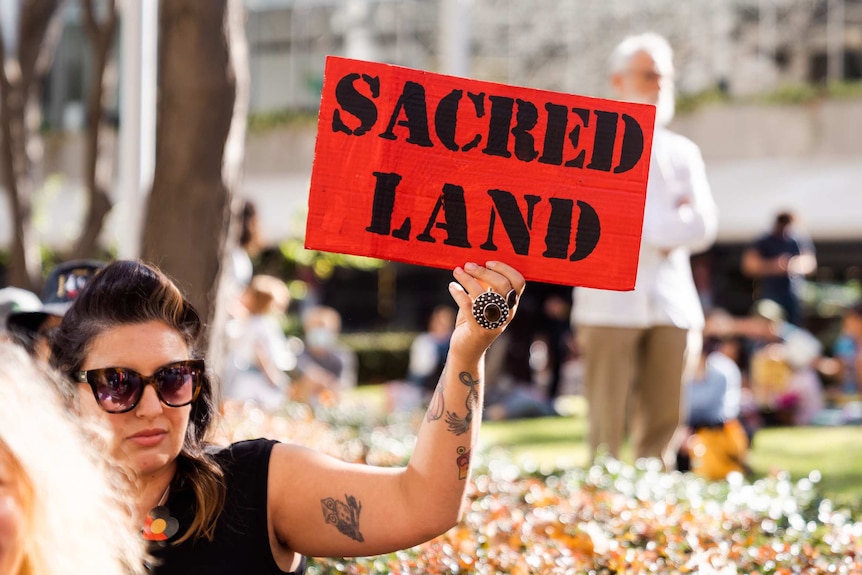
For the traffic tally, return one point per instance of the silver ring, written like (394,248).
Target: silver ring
(490,310)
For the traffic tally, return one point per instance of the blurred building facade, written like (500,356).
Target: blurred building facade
(740,47)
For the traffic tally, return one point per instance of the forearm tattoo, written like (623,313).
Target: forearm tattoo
(436,407)
(457,424)
(344,515)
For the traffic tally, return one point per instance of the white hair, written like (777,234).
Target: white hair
(657,48)
(78,521)
(653,44)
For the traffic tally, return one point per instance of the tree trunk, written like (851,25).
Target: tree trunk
(200,133)
(96,164)
(19,120)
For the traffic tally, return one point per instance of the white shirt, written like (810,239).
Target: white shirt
(259,335)
(680,217)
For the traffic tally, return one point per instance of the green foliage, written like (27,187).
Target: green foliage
(798,450)
(610,517)
(830,299)
(687,103)
(324,263)
(845,90)
(381,357)
(790,94)
(263,121)
(50,257)
(833,451)
(607,516)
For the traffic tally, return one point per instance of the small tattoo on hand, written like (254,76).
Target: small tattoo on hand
(344,515)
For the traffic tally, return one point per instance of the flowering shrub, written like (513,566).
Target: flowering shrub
(609,518)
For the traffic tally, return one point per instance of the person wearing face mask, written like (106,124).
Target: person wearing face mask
(325,366)
(259,354)
(638,345)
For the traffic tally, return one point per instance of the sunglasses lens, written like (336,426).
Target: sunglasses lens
(177,384)
(117,389)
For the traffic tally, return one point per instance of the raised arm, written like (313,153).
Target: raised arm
(321,506)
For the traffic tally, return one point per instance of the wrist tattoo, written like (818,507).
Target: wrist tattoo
(457,424)
(344,515)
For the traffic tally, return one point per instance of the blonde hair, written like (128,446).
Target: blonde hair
(77,521)
(266,294)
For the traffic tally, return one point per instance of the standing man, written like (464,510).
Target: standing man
(639,345)
(778,261)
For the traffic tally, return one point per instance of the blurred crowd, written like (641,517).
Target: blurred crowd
(263,364)
(761,369)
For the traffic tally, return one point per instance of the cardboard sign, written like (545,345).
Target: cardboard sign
(436,170)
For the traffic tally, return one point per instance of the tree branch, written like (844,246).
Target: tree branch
(101,36)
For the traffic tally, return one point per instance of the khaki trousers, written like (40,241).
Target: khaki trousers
(633,382)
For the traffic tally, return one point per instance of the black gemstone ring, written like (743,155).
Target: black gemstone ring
(511,298)
(490,310)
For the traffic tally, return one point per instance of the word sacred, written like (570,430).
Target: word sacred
(356,94)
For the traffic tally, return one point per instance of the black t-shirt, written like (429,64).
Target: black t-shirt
(769,247)
(241,542)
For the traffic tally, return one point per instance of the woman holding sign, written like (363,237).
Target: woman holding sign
(260,506)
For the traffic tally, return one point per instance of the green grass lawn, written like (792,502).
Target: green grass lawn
(834,451)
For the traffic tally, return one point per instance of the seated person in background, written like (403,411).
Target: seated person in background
(715,442)
(14,300)
(325,368)
(803,353)
(784,378)
(427,358)
(258,353)
(428,351)
(848,351)
(62,511)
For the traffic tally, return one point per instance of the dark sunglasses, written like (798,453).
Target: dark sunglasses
(119,389)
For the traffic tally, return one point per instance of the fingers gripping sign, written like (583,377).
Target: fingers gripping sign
(487,298)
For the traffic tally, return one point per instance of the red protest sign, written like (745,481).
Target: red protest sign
(436,170)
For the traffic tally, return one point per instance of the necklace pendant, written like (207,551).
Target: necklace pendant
(159,525)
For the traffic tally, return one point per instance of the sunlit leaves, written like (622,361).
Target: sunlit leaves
(608,518)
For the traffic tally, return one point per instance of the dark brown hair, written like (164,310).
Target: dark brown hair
(247,225)
(130,292)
